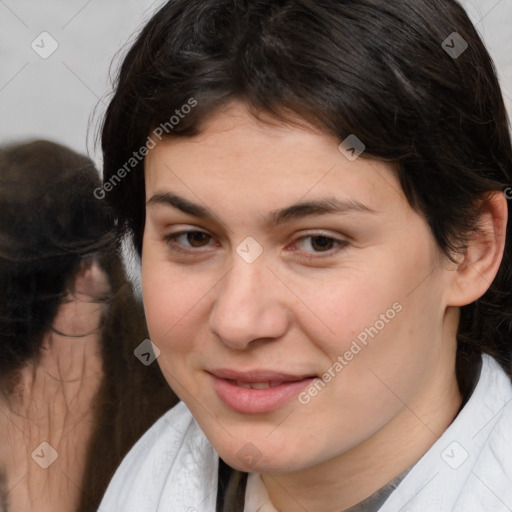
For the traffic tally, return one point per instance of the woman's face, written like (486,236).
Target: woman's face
(270,258)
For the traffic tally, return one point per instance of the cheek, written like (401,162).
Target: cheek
(388,356)
(358,305)
(174,308)
(175,304)
(164,294)
(383,315)
(168,303)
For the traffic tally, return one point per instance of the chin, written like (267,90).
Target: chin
(263,465)
(248,457)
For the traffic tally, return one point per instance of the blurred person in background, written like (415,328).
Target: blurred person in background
(74,398)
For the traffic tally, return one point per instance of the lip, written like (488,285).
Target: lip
(256,375)
(257,401)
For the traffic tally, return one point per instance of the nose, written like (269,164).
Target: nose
(249,306)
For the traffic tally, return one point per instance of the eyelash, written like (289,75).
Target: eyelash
(341,244)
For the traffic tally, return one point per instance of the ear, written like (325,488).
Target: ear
(478,266)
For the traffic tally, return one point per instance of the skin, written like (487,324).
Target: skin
(53,403)
(207,308)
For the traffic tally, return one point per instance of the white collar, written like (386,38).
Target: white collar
(256,495)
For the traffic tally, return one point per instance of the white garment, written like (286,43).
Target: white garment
(173,467)
(256,495)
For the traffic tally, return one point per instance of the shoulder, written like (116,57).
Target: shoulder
(172,449)
(160,441)
(496,433)
(469,467)
(488,485)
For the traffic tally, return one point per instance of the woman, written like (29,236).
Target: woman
(316,192)
(73,393)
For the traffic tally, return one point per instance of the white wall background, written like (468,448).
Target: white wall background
(53,98)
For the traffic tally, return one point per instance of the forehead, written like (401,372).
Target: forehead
(257,162)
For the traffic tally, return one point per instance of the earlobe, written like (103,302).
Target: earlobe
(478,266)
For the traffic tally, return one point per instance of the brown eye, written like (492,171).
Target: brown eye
(322,243)
(187,241)
(318,245)
(197,238)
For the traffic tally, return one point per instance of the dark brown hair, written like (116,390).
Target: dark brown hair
(372,68)
(48,226)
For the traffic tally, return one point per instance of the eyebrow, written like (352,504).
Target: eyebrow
(296,211)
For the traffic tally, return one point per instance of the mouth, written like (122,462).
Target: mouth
(257,392)
(256,385)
